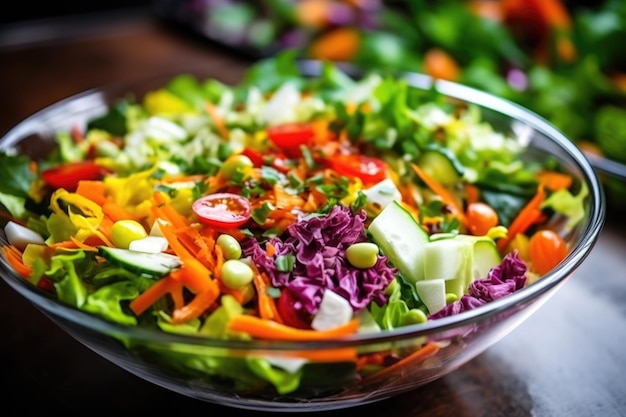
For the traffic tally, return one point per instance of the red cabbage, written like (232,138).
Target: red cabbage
(319,246)
(502,280)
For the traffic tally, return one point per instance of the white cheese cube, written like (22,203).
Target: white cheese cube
(334,311)
(20,236)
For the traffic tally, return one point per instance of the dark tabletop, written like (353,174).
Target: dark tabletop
(568,359)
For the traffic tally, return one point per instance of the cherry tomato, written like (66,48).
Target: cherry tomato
(546,249)
(290,315)
(369,170)
(290,136)
(480,218)
(68,175)
(223,210)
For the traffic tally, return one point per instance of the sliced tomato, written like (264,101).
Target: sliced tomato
(290,136)
(255,156)
(68,175)
(222,210)
(289,314)
(370,170)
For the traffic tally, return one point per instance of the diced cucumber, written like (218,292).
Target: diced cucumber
(157,264)
(380,195)
(432,292)
(450,260)
(460,260)
(401,239)
(447,258)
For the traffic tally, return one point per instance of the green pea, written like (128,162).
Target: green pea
(125,231)
(230,246)
(236,274)
(362,255)
(414,316)
(233,164)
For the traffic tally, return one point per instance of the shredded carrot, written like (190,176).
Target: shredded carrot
(154,294)
(419,355)
(348,354)
(554,181)
(83,245)
(442,192)
(284,200)
(116,212)
(14,258)
(194,309)
(271,330)
(217,119)
(266,304)
(163,210)
(182,178)
(77,134)
(270,249)
(530,214)
(194,274)
(472,194)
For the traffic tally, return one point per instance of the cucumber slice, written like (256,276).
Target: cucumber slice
(401,239)
(157,264)
(486,256)
(442,165)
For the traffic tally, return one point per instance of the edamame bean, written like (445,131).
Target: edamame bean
(415,316)
(362,255)
(125,231)
(233,164)
(230,246)
(236,274)
(451,297)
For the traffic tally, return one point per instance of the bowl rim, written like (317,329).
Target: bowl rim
(595,219)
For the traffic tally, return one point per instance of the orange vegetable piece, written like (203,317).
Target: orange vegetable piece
(546,250)
(480,217)
(439,64)
(339,44)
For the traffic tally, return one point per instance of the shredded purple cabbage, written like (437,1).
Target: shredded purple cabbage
(502,280)
(319,245)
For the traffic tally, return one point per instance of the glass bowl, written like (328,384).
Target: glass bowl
(328,378)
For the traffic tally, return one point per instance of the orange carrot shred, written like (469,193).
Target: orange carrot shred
(194,309)
(266,304)
(440,190)
(528,215)
(419,355)
(271,330)
(217,119)
(153,294)
(554,181)
(14,258)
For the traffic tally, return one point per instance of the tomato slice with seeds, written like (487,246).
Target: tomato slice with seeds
(290,136)
(222,210)
(68,175)
(370,170)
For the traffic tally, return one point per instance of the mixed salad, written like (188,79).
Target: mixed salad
(285,207)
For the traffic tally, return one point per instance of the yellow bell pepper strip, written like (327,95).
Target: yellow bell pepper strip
(83,213)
